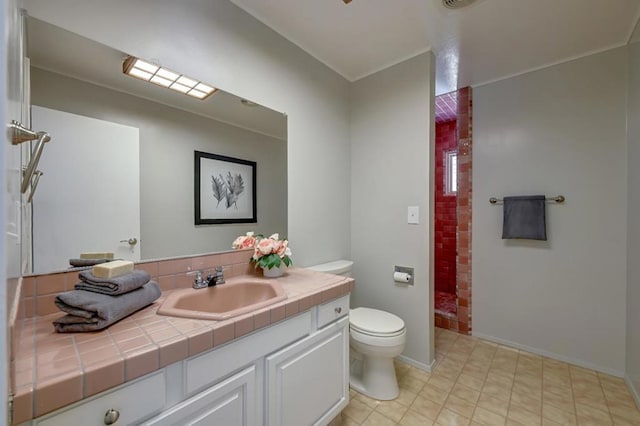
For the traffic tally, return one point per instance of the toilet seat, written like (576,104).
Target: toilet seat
(375,323)
(382,335)
(379,341)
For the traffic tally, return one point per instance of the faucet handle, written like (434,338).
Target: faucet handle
(197,283)
(219,278)
(198,274)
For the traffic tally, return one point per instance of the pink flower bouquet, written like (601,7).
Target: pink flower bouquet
(244,241)
(268,253)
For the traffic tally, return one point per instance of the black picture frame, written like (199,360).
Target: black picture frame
(224,189)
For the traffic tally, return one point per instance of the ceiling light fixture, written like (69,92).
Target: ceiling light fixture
(144,70)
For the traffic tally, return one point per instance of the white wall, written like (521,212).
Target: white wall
(392,146)
(168,138)
(633,217)
(215,41)
(560,130)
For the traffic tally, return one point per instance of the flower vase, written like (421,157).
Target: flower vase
(274,272)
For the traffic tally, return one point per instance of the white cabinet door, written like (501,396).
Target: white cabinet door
(230,403)
(308,382)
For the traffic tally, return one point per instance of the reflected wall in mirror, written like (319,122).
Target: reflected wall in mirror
(98,115)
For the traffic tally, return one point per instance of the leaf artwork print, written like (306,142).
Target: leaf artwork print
(228,189)
(219,189)
(235,187)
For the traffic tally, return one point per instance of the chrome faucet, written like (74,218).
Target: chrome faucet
(210,281)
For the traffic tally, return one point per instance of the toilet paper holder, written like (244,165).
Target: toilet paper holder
(403,274)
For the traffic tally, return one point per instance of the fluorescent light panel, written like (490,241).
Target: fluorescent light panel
(179,87)
(145,66)
(204,88)
(147,71)
(187,81)
(160,81)
(197,94)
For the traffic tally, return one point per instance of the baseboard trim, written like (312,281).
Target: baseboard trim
(634,392)
(559,357)
(422,366)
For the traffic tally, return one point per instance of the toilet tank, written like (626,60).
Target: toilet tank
(337,267)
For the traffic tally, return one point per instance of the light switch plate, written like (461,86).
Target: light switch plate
(413,215)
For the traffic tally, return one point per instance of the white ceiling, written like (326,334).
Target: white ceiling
(486,41)
(56,49)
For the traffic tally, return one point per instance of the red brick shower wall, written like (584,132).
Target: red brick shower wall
(446,212)
(462,320)
(465,187)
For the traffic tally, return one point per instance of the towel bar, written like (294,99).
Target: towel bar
(558,199)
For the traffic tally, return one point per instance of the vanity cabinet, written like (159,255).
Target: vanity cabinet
(230,402)
(291,373)
(308,382)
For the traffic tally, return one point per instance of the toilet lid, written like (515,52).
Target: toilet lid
(373,321)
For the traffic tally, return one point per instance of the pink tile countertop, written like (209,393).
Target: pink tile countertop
(52,370)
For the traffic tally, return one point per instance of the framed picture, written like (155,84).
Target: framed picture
(225,189)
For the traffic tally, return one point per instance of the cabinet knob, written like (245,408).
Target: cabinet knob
(338,310)
(111,416)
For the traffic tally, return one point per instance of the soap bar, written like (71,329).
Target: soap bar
(112,269)
(96,255)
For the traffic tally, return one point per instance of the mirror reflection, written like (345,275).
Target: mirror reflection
(119,170)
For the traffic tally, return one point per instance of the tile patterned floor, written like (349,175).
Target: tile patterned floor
(480,383)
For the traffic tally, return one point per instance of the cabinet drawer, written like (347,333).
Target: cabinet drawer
(333,310)
(133,401)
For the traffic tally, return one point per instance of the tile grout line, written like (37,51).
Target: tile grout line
(82,366)
(573,396)
(34,376)
(605,401)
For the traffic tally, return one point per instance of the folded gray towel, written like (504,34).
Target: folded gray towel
(88,311)
(524,217)
(87,262)
(113,286)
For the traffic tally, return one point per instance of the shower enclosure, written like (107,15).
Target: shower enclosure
(452,298)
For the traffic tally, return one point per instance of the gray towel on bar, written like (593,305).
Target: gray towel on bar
(113,286)
(524,218)
(88,311)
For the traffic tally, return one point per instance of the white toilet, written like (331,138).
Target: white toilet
(376,337)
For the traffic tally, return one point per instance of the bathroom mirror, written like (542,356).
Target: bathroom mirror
(78,89)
